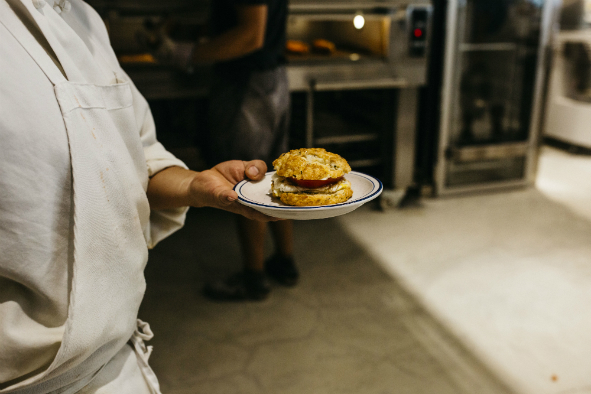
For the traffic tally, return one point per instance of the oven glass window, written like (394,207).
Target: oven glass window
(492,90)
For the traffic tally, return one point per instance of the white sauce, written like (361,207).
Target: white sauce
(282,185)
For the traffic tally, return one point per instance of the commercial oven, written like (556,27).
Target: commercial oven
(355,70)
(184,20)
(492,93)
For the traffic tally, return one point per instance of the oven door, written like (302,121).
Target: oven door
(491,94)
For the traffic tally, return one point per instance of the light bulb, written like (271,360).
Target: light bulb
(358,21)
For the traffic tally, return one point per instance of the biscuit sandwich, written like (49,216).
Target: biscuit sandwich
(311,177)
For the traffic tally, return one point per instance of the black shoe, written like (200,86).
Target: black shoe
(282,269)
(243,286)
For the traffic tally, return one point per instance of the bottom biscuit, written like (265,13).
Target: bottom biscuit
(308,200)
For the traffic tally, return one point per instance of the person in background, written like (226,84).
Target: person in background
(85,190)
(249,118)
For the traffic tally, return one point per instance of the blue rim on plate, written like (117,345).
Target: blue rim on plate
(377,189)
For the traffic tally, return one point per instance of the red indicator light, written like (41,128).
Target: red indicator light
(418,33)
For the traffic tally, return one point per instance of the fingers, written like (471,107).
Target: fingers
(255,169)
(232,170)
(227,200)
(250,213)
(214,187)
(235,170)
(227,197)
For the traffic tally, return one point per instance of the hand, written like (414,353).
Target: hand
(164,49)
(214,187)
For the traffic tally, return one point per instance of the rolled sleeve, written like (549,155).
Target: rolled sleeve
(165,221)
(158,158)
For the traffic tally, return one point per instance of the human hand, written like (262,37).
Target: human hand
(214,187)
(164,49)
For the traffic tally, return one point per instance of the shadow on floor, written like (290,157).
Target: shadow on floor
(346,328)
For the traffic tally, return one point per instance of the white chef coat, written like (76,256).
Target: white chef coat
(41,216)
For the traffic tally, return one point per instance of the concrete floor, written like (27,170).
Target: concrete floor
(341,330)
(478,294)
(507,274)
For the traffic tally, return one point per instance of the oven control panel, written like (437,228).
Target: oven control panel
(418,30)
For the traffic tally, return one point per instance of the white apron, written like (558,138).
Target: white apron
(110,211)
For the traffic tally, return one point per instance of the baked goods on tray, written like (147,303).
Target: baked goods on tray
(324,46)
(297,47)
(140,58)
(311,177)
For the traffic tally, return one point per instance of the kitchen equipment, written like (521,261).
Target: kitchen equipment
(184,20)
(492,93)
(568,114)
(360,99)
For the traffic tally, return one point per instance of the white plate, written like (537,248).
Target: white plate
(258,196)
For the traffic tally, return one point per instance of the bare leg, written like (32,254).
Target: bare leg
(252,242)
(282,232)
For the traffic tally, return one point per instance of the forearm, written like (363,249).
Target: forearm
(176,187)
(170,188)
(230,45)
(246,37)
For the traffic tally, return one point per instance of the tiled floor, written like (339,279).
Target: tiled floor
(486,294)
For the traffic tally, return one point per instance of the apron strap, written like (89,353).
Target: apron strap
(17,28)
(141,334)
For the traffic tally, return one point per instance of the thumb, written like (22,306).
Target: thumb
(255,169)
(227,197)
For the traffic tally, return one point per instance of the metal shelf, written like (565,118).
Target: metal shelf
(365,163)
(344,139)
(488,47)
(489,152)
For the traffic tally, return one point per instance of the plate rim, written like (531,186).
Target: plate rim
(373,194)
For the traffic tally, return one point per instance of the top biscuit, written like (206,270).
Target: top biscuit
(311,164)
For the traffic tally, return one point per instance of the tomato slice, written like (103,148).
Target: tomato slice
(311,184)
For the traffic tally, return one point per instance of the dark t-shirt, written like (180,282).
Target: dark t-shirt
(271,54)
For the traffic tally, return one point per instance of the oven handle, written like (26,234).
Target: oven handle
(359,84)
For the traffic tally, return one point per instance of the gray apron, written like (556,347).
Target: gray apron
(248,116)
